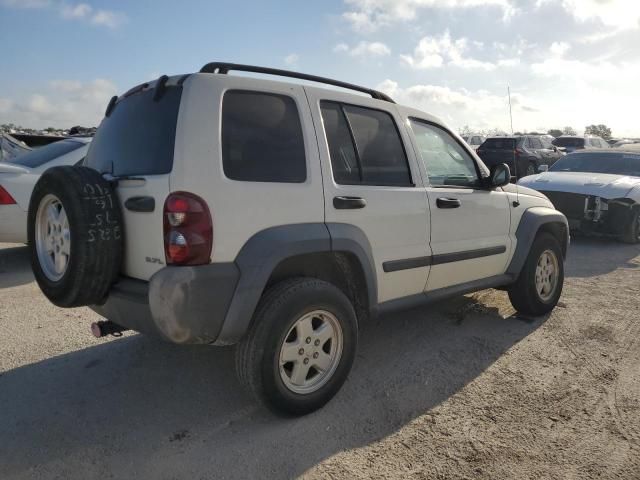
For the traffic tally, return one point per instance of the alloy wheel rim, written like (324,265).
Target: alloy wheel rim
(547,274)
(310,352)
(52,237)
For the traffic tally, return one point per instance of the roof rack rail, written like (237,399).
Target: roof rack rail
(223,68)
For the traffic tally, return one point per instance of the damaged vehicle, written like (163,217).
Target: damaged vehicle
(597,190)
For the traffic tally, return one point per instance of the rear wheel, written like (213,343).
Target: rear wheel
(301,346)
(539,285)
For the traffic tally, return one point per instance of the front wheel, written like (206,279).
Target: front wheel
(539,285)
(632,235)
(301,346)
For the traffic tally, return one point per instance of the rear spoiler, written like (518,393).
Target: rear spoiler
(6,167)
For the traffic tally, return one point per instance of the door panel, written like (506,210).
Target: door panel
(469,225)
(394,217)
(479,227)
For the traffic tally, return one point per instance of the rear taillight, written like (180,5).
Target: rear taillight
(518,151)
(188,231)
(5,197)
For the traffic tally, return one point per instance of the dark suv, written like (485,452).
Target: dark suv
(524,154)
(570,144)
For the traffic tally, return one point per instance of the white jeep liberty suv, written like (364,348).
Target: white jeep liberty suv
(221,209)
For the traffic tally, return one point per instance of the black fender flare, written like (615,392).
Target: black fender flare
(266,249)
(530,223)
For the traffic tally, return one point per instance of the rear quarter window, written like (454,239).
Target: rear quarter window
(262,138)
(499,144)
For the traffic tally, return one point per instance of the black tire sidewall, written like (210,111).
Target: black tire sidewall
(633,230)
(543,242)
(93,261)
(322,296)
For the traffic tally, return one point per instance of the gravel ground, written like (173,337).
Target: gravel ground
(458,390)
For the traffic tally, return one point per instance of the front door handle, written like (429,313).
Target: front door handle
(346,203)
(448,202)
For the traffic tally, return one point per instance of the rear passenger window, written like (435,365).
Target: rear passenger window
(365,146)
(262,138)
(535,143)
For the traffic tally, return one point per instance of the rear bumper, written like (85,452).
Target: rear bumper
(13,224)
(179,304)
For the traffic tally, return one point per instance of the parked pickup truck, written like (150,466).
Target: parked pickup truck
(224,209)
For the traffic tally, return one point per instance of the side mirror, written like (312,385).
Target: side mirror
(543,168)
(500,175)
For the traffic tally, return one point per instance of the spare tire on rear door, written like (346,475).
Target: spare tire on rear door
(75,235)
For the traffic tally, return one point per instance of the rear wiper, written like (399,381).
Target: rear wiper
(116,178)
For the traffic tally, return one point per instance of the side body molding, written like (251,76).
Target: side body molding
(530,222)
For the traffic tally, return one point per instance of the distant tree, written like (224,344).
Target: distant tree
(598,130)
(465,131)
(569,131)
(555,132)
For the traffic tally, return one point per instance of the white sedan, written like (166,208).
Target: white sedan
(18,177)
(597,190)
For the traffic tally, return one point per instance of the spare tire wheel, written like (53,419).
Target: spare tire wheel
(75,234)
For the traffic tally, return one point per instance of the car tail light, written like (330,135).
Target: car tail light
(5,197)
(188,230)
(518,151)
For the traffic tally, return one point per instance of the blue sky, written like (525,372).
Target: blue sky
(568,62)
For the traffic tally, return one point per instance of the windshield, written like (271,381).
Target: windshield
(568,142)
(616,163)
(499,144)
(45,154)
(138,137)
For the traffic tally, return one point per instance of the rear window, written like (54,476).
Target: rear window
(568,142)
(138,137)
(499,144)
(262,138)
(42,155)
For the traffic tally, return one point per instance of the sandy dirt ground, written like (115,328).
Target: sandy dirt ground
(463,389)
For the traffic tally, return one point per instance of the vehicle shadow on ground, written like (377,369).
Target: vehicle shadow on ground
(137,408)
(15,266)
(593,256)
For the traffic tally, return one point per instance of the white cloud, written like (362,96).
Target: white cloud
(108,18)
(81,10)
(459,107)
(63,103)
(367,16)
(70,11)
(619,14)
(436,52)
(364,49)
(292,59)
(558,49)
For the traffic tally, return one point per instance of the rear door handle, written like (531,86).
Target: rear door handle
(346,203)
(448,202)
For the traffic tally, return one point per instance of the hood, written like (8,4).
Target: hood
(603,185)
(522,190)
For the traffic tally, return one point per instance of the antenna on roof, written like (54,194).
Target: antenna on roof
(510,113)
